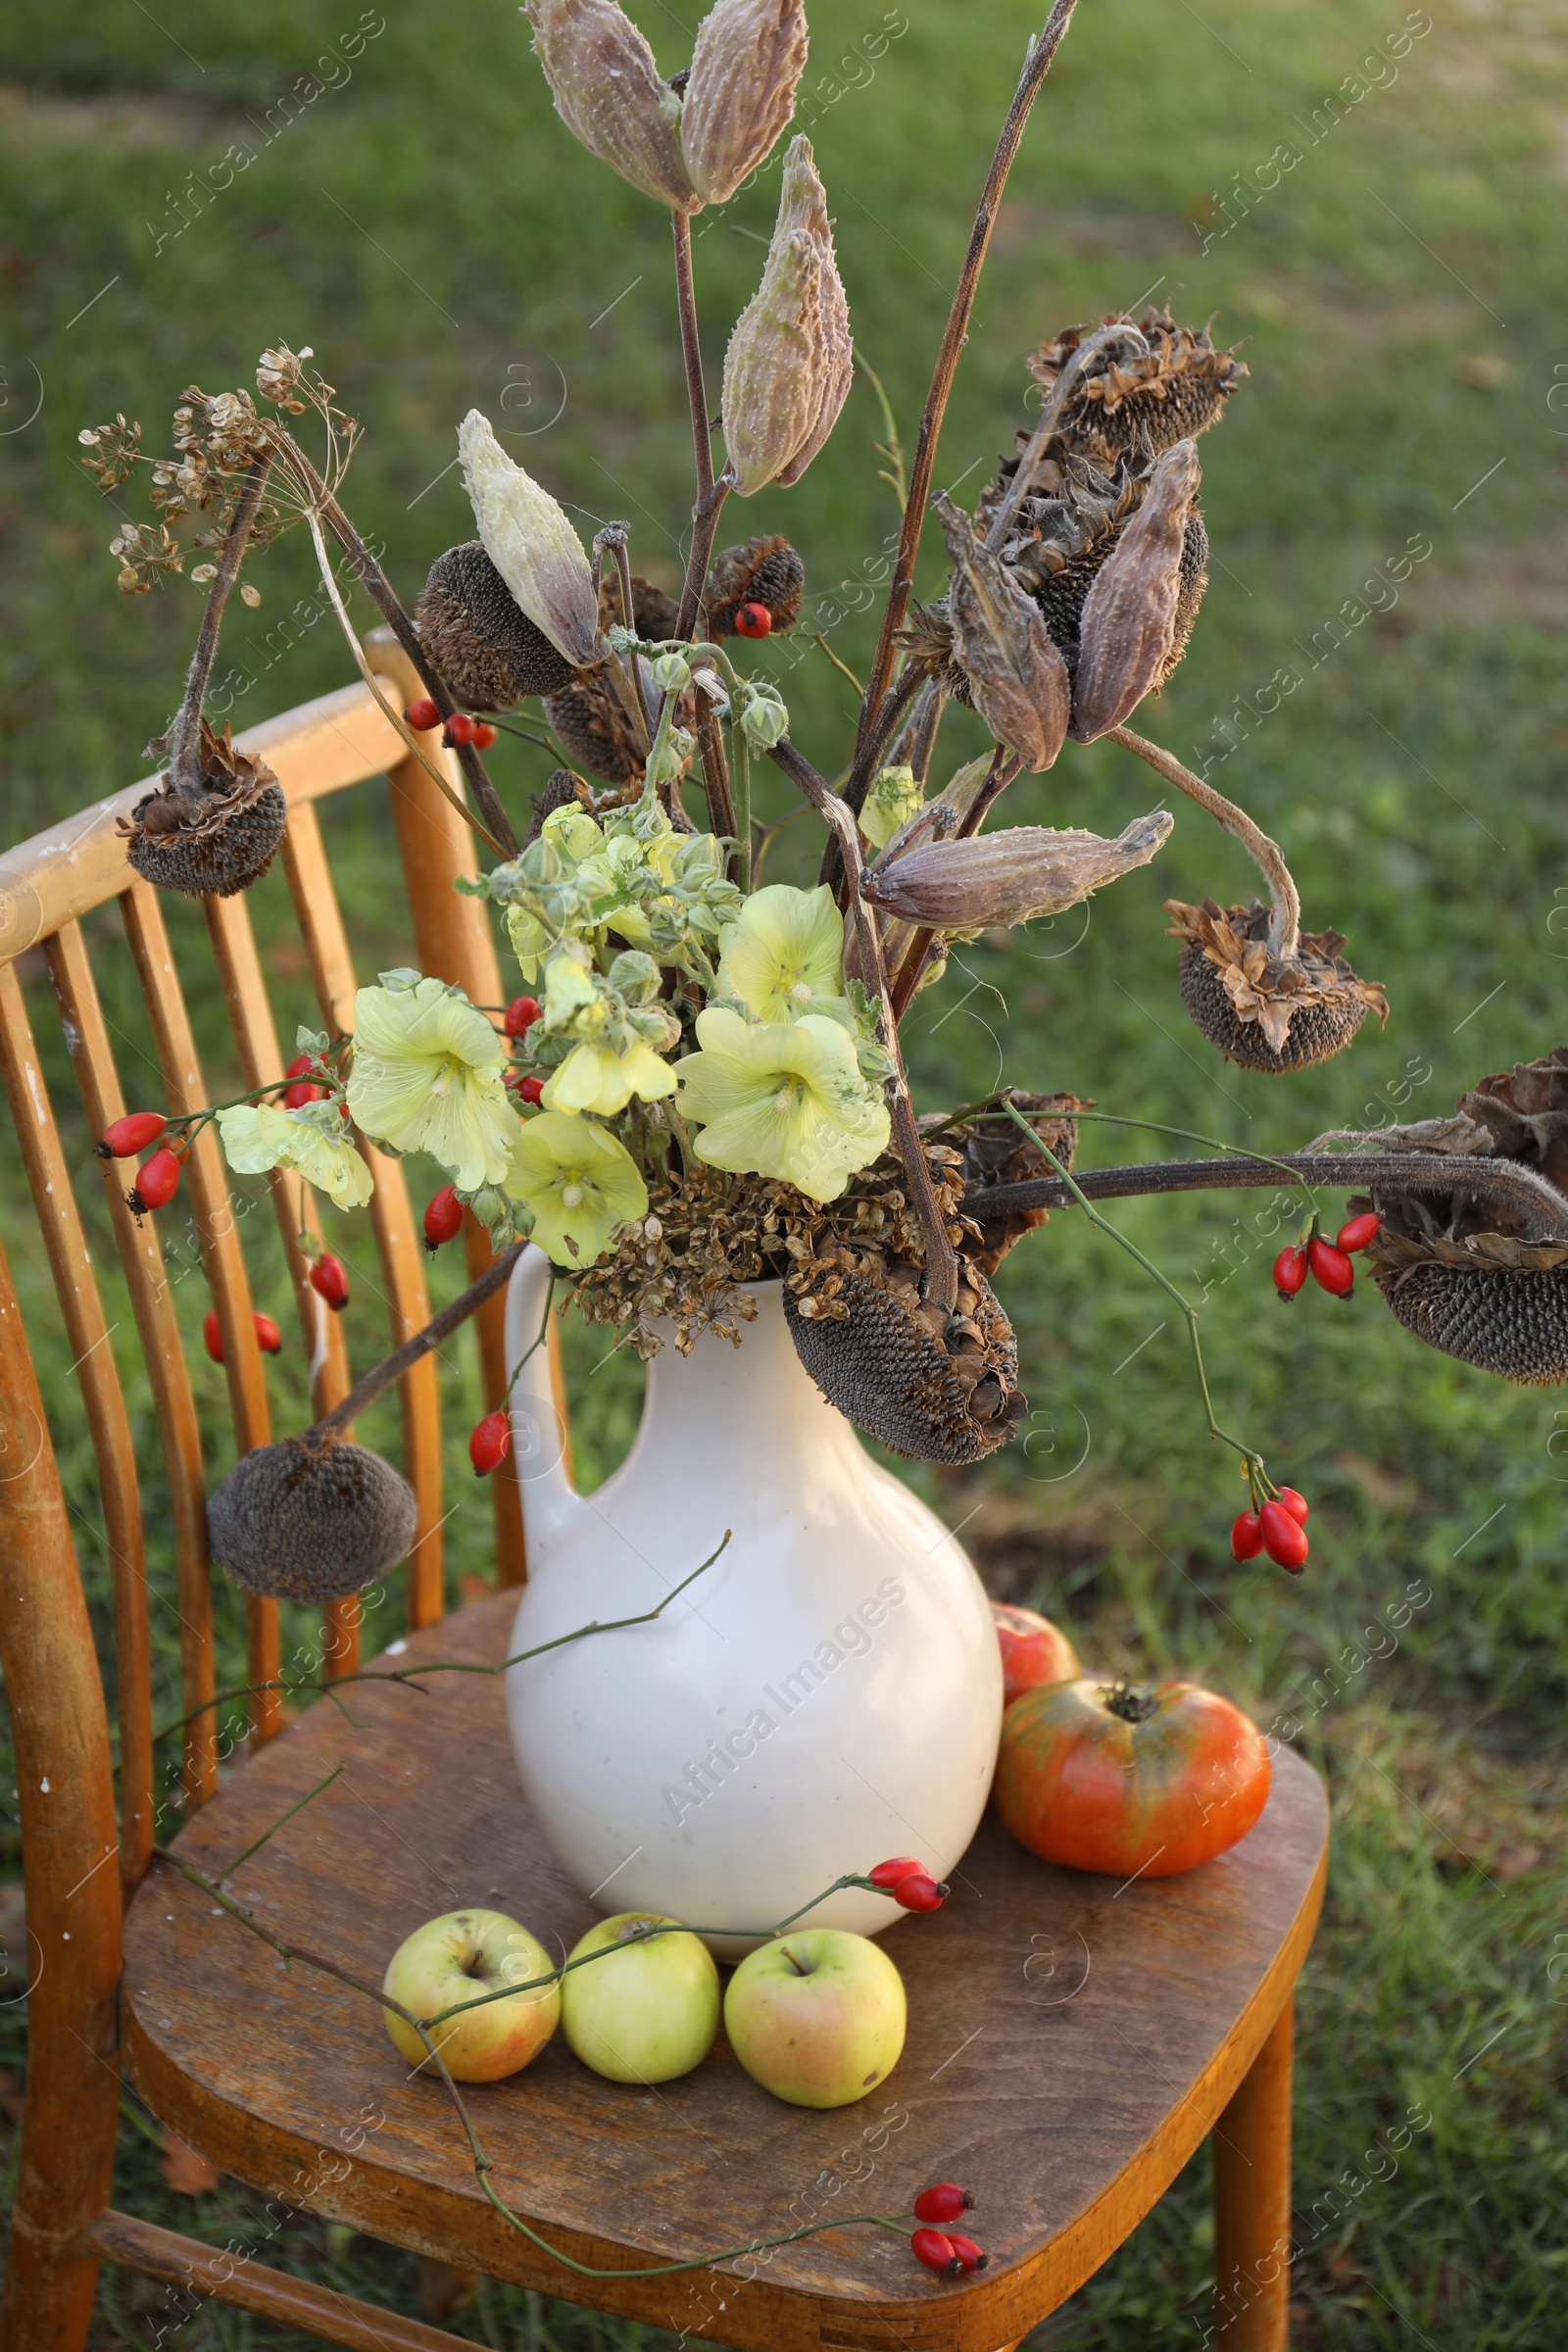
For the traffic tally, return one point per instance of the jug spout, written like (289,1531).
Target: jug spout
(538,1424)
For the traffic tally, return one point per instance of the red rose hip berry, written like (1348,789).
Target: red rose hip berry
(269,1339)
(754,620)
(1332,1270)
(483,736)
(920,1893)
(1247,1536)
(443,1217)
(942,2201)
(489,1444)
(530,1089)
(520,1015)
(423,715)
(968,2253)
(157,1182)
(303,1089)
(460,729)
(1290,1272)
(124,1138)
(1297,1504)
(1284,1536)
(330,1280)
(936,2252)
(1357,1233)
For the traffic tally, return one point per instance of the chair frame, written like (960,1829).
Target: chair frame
(63,2224)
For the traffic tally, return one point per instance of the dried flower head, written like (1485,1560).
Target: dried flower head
(790,360)
(277,377)
(116,448)
(1266,1011)
(214,840)
(479,638)
(1140,403)
(765,571)
(310,1519)
(608,94)
(740,93)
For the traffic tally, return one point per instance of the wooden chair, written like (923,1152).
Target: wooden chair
(1071,2041)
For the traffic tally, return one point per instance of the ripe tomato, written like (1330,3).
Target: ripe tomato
(1150,1778)
(1033,1652)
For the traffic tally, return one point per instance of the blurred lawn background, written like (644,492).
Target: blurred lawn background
(427,225)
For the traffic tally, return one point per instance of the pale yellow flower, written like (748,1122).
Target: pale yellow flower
(313,1141)
(579,1181)
(427,1078)
(896,794)
(784,952)
(597,1078)
(781,1100)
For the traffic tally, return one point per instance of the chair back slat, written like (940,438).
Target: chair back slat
(401,1251)
(261,1061)
(77,1288)
(223,1259)
(141,1258)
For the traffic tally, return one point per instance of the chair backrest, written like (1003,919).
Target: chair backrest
(47,886)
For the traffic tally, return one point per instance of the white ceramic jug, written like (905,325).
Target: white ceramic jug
(826,1696)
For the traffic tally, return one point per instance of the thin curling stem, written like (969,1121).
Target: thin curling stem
(1037,65)
(186,735)
(942,1266)
(1254,1461)
(1285,922)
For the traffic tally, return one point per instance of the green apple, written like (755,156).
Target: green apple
(816,2016)
(648,2011)
(453,1959)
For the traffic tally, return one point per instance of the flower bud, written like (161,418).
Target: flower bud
(1007,877)
(1128,628)
(740,94)
(764,718)
(608,93)
(790,360)
(671,672)
(531,543)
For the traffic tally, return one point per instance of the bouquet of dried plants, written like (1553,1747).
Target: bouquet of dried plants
(705,1085)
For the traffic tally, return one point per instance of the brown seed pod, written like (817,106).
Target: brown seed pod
(310,1519)
(562,790)
(1266,1011)
(1015,675)
(479,638)
(994,1152)
(1141,403)
(1128,627)
(218,839)
(766,570)
(883,1360)
(1507,1320)
(1007,877)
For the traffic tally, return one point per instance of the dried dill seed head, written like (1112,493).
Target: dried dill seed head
(479,638)
(310,1519)
(1457,1269)
(218,839)
(766,570)
(1141,403)
(1263,1011)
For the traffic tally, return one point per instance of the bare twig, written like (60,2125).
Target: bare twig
(186,735)
(1036,66)
(440,1326)
(711,494)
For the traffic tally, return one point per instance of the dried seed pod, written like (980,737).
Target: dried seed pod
(1140,403)
(218,839)
(592,722)
(880,1357)
(994,1152)
(559,791)
(790,360)
(1511,1320)
(1015,675)
(1525,1112)
(1128,629)
(653,615)
(530,541)
(608,94)
(310,1519)
(767,571)
(740,93)
(1007,877)
(1263,1011)
(480,639)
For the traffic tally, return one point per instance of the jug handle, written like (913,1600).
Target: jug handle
(538,1423)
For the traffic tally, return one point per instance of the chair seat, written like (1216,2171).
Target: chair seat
(1071,2042)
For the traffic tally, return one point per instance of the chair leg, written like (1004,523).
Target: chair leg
(1251,2143)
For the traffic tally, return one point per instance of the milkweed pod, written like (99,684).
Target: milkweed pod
(790,360)
(1007,877)
(608,93)
(1015,671)
(1129,622)
(740,94)
(531,543)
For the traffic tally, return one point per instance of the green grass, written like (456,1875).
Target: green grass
(1402,291)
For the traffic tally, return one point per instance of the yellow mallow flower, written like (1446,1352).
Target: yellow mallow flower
(783,953)
(577,1182)
(893,797)
(599,1079)
(781,1100)
(427,1078)
(313,1141)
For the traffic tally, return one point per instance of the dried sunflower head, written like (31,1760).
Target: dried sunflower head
(1140,403)
(310,1519)
(216,839)
(994,1152)
(765,571)
(479,638)
(1267,1011)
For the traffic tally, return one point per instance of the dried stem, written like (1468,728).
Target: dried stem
(381,592)
(440,1326)
(941,1285)
(1395,1174)
(1036,66)
(711,494)
(1285,925)
(186,735)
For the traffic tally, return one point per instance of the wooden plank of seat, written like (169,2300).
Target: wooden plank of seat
(77,1289)
(250,1018)
(142,1261)
(72,866)
(223,1260)
(66,1797)
(1066,2101)
(320,921)
(454,942)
